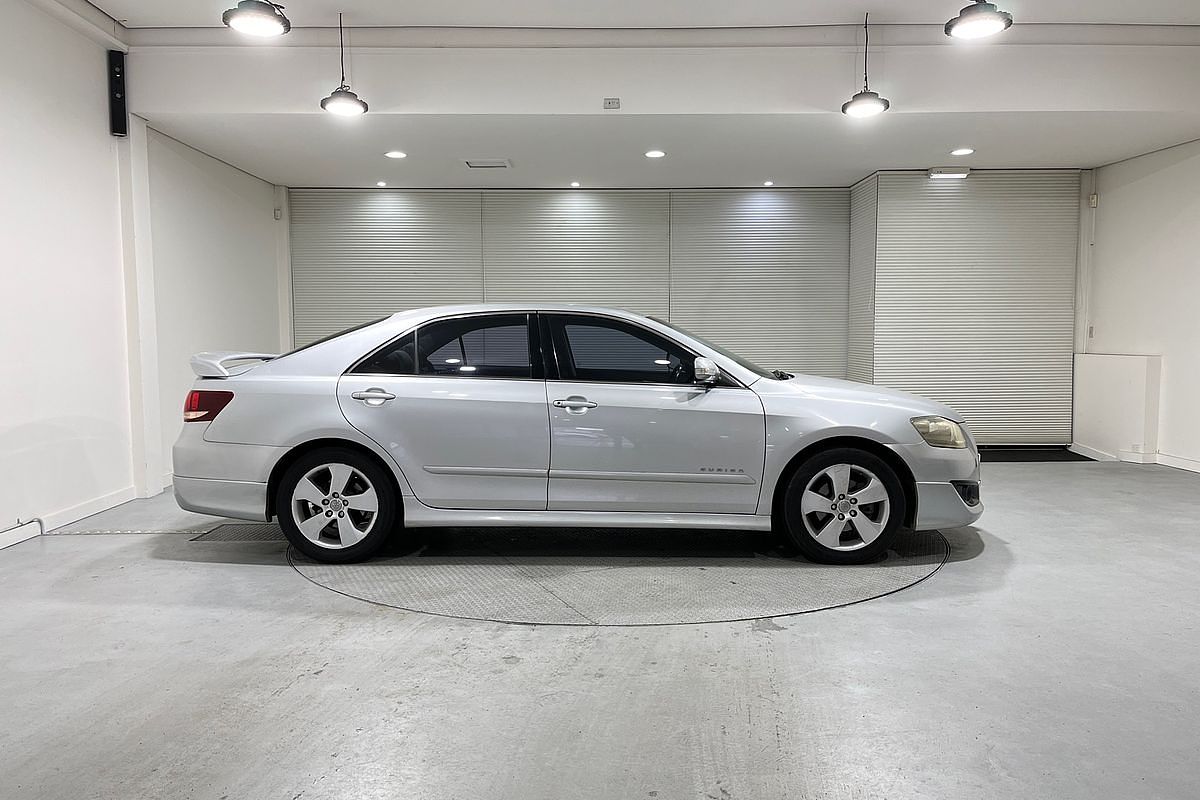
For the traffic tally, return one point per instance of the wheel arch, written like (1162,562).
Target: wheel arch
(289,458)
(890,457)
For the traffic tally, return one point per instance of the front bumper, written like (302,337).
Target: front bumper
(940,503)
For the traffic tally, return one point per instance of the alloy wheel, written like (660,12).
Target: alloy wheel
(845,507)
(334,506)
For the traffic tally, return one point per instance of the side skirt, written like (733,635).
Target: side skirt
(417,515)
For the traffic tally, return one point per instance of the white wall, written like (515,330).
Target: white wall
(64,405)
(215,274)
(1145,282)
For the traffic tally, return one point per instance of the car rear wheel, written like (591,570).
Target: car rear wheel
(843,506)
(336,505)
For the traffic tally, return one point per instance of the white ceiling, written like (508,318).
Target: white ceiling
(647,13)
(727,114)
(702,150)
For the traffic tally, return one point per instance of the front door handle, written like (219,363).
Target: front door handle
(574,404)
(373,396)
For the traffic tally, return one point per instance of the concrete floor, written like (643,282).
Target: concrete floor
(1055,656)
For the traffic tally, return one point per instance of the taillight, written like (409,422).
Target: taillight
(203,406)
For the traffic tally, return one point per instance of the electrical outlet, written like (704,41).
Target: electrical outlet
(612,103)
(1094,201)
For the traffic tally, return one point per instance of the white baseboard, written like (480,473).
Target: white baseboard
(1137,458)
(1092,453)
(26,531)
(68,515)
(1127,456)
(1190,464)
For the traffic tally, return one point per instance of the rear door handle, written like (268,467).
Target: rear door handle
(373,396)
(574,402)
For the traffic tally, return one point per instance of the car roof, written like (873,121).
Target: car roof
(469,308)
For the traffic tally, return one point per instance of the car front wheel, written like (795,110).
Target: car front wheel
(843,506)
(336,505)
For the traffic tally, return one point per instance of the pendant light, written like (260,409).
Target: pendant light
(342,101)
(257,18)
(979,20)
(866,103)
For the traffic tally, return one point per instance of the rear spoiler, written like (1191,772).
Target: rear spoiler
(215,364)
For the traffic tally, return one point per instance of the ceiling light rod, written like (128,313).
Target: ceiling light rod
(341,100)
(866,48)
(866,103)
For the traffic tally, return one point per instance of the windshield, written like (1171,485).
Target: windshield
(741,362)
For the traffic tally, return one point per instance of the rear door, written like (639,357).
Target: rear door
(631,430)
(461,405)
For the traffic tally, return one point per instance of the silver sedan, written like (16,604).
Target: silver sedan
(519,415)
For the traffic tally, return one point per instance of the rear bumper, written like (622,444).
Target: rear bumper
(228,480)
(936,470)
(238,499)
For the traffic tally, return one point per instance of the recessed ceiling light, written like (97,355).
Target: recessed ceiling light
(257,18)
(962,151)
(768,183)
(396,154)
(381,183)
(655,154)
(979,20)
(574,184)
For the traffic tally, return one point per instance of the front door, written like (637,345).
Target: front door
(631,430)
(461,407)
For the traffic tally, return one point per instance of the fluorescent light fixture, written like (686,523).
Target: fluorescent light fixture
(396,154)
(768,183)
(949,173)
(866,103)
(978,21)
(381,183)
(466,368)
(962,151)
(342,101)
(574,184)
(257,18)
(655,154)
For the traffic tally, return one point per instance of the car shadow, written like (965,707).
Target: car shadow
(566,545)
(583,546)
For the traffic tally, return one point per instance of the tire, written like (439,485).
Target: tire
(352,530)
(855,484)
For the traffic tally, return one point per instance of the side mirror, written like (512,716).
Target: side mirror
(707,371)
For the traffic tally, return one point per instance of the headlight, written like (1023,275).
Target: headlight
(940,432)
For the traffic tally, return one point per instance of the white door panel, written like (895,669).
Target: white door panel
(462,442)
(654,447)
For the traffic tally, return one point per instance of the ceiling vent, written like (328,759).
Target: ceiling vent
(487,163)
